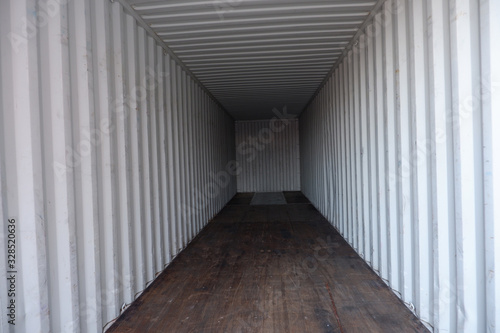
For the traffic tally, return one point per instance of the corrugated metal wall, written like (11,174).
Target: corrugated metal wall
(267,152)
(400,151)
(109,150)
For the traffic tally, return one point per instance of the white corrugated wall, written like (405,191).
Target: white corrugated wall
(267,152)
(108,151)
(400,150)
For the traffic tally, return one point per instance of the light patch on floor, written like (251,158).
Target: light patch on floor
(268,198)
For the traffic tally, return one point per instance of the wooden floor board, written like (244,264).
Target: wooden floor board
(279,268)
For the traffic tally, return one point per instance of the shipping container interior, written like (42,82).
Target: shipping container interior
(126,126)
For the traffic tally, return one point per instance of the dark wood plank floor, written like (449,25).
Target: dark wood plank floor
(268,269)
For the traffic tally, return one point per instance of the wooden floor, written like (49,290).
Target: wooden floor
(279,268)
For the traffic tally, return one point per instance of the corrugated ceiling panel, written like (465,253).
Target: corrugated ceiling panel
(256,55)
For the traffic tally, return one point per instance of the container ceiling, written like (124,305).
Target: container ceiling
(256,55)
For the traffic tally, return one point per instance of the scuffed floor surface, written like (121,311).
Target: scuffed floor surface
(279,268)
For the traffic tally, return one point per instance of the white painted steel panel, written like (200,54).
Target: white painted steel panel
(95,119)
(256,54)
(114,155)
(413,115)
(267,152)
